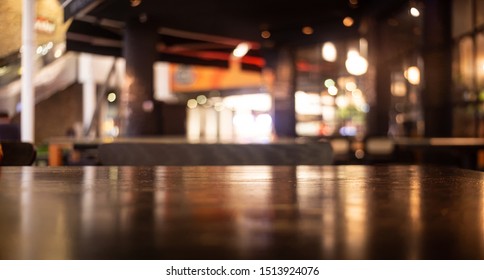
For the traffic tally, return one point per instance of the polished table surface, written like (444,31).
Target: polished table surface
(241,212)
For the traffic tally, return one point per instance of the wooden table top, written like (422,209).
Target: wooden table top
(241,212)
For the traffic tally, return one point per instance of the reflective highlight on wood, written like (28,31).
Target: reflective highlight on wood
(241,212)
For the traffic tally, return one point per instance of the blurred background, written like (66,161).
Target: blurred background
(345,71)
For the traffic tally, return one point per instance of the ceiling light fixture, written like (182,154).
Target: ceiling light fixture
(412,74)
(329,52)
(241,50)
(265,34)
(414,12)
(355,63)
(135,3)
(307,30)
(348,21)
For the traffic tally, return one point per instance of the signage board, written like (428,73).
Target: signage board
(44,25)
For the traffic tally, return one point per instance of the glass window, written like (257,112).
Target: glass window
(466,63)
(462,17)
(480,12)
(464,114)
(455,68)
(468,67)
(480,61)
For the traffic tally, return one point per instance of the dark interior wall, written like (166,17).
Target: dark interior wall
(398,40)
(437,54)
(56,114)
(173,119)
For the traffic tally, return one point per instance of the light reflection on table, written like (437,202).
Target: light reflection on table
(241,212)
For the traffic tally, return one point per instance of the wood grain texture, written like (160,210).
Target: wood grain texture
(241,212)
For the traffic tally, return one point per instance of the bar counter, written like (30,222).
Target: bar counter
(241,212)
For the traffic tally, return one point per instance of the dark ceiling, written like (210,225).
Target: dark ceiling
(205,32)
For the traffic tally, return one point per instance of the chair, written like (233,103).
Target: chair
(313,153)
(13,153)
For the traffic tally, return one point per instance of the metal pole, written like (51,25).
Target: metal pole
(27,95)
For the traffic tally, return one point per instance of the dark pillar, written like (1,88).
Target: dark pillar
(437,55)
(284,92)
(379,115)
(137,107)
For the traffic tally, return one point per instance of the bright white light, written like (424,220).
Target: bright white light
(192,103)
(356,64)
(308,104)
(261,102)
(263,127)
(58,53)
(414,12)
(244,122)
(329,113)
(342,102)
(333,90)
(413,75)
(263,121)
(202,99)
(350,86)
(359,100)
(329,52)
(241,50)
(327,100)
(329,83)
(357,93)
(59,49)
(308,128)
(111,97)
(218,106)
